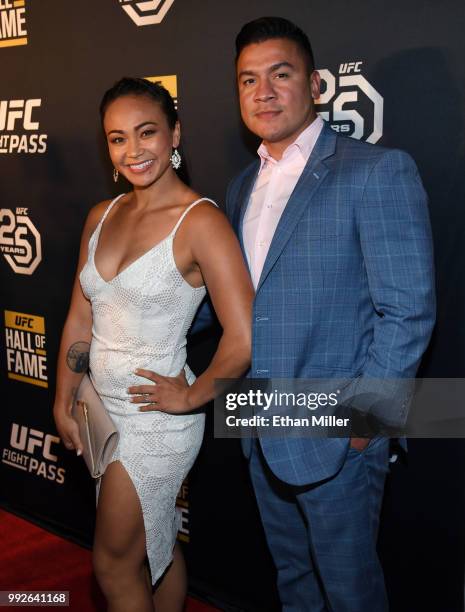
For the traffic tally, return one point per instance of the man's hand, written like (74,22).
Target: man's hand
(359,444)
(168,394)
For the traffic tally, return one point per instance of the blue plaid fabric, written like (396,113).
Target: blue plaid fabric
(347,289)
(323,537)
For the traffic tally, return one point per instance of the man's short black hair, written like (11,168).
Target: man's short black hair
(266,28)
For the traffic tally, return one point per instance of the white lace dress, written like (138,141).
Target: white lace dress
(140,320)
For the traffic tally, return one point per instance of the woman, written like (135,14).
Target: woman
(144,262)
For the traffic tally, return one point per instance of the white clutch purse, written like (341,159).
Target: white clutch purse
(98,434)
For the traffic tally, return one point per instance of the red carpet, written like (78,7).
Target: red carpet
(34,560)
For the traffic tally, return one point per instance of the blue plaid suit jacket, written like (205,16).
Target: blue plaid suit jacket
(347,288)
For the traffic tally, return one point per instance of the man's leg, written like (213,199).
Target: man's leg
(343,516)
(287,538)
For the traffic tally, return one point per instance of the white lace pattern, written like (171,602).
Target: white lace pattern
(140,320)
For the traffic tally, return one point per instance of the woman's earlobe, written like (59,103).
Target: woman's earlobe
(176,135)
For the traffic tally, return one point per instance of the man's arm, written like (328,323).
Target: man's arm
(395,237)
(397,248)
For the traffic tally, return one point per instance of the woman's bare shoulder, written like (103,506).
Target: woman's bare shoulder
(96,213)
(206,210)
(206,225)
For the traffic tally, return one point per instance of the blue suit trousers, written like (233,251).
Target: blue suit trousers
(325,533)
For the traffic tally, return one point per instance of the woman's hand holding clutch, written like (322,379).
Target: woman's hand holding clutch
(68,430)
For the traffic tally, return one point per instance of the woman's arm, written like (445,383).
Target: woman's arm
(73,357)
(216,251)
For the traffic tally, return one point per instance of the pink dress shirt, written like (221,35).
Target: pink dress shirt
(274,184)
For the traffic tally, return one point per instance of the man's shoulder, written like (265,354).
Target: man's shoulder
(359,148)
(352,149)
(372,162)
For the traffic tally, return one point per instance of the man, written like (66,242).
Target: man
(337,238)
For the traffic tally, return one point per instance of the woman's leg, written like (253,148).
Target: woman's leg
(170,594)
(119,545)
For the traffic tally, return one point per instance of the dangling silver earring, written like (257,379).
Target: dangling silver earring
(176,159)
(115,175)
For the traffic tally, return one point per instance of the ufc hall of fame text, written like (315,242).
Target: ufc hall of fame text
(13,30)
(25,345)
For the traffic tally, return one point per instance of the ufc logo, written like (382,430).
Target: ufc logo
(24,321)
(349,67)
(12,111)
(25,439)
(20,242)
(350,104)
(146,12)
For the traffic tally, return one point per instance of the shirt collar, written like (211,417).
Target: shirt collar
(303,144)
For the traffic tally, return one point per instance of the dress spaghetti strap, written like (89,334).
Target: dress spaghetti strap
(96,233)
(109,207)
(174,230)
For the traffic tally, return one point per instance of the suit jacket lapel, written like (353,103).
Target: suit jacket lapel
(243,200)
(310,179)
